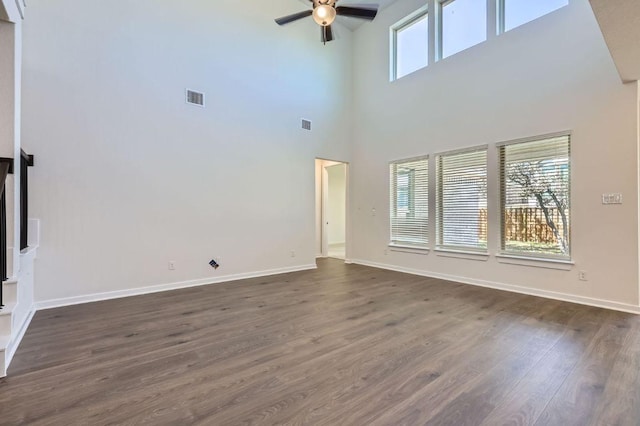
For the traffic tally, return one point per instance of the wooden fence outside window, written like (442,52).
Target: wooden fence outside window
(526,224)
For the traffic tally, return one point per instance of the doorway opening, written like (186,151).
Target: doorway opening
(331,209)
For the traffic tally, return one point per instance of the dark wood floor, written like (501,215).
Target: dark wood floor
(343,345)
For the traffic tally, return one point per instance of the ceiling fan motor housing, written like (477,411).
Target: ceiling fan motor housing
(317,3)
(324,12)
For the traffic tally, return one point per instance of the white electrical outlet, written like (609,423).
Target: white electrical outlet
(582,275)
(293,253)
(172,265)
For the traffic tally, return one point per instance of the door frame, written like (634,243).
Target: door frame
(324,183)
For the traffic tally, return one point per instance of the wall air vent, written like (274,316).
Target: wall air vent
(306,124)
(195,98)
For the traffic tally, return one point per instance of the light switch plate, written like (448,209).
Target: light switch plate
(611,198)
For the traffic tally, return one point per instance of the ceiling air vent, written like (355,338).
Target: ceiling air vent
(306,124)
(195,98)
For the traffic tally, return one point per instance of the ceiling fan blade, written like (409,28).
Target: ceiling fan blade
(290,18)
(358,12)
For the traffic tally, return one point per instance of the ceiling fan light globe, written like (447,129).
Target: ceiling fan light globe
(324,15)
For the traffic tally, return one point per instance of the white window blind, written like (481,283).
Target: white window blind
(535,199)
(461,200)
(410,202)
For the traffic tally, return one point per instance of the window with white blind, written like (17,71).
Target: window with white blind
(409,202)
(535,197)
(461,200)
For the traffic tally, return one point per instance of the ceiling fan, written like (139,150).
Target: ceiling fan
(324,12)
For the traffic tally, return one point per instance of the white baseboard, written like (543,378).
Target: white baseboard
(607,304)
(15,341)
(96,297)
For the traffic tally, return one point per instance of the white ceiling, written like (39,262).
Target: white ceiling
(353,23)
(620,23)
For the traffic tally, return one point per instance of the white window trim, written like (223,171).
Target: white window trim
(474,148)
(393,39)
(439,47)
(501,21)
(408,249)
(536,138)
(537,262)
(495,22)
(463,254)
(440,4)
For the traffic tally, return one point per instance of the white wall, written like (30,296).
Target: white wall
(336,203)
(550,75)
(129,177)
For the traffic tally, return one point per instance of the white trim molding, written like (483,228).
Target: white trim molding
(599,303)
(408,249)
(463,254)
(12,10)
(96,297)
(15,341)
(536,262)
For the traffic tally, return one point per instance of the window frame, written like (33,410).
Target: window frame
(393,203)
(500,16)
(402,24)
(495,23)
(530,255)
(439,26)
(501,6)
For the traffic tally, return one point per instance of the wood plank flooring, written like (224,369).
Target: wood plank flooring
(342,345)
